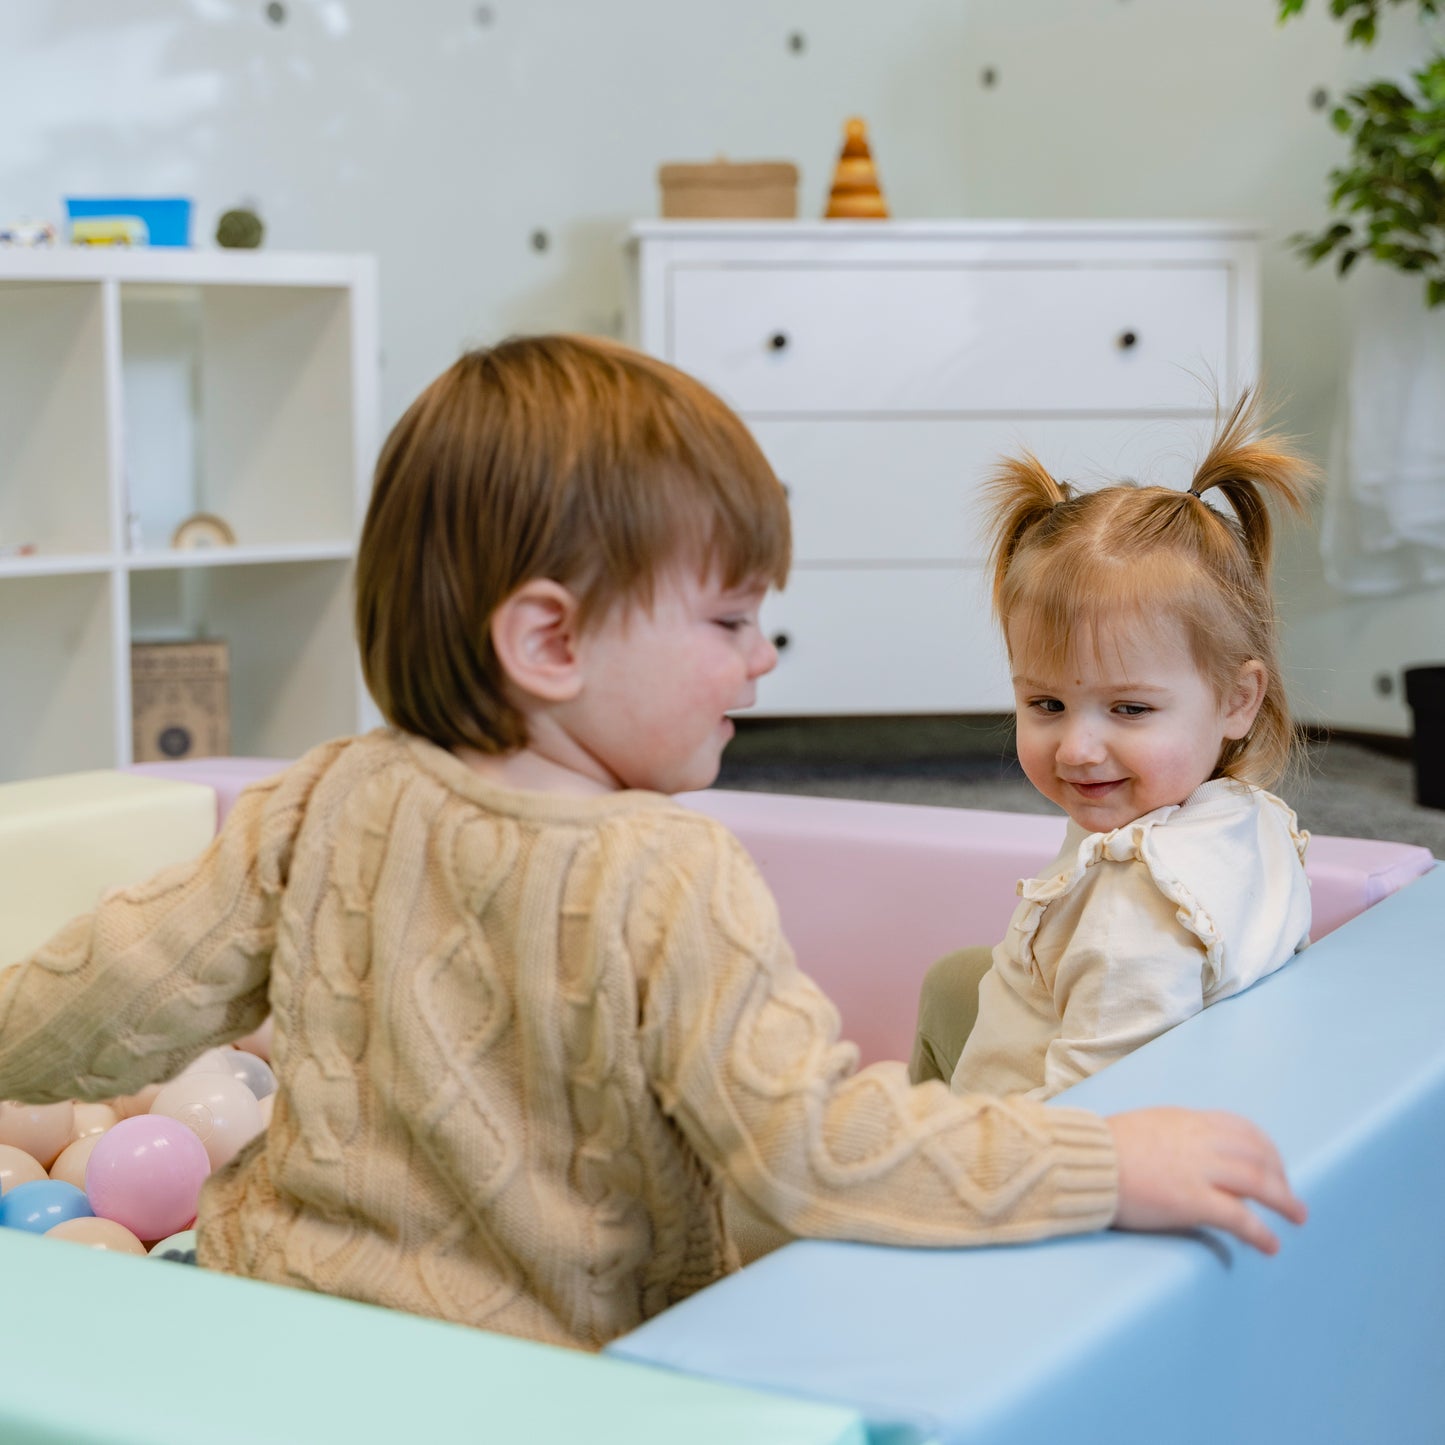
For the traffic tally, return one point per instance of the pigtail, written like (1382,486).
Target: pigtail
(1019,494)
(1251,466)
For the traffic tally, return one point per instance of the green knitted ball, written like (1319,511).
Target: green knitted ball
(241,230)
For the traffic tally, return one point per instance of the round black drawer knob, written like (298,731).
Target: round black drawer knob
(1128,340)
(778,341)
(781,641)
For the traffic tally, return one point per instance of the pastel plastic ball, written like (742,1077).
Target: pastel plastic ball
(92,1119)
(268,1106)
(70,1167)
(39,1206)
(180,1245)
(213,1061)
(254,1072)
(129,1105)
(96,1233)
(18,1167)
(259,1043)
(218,1109)
(146,1173)
(41,1130)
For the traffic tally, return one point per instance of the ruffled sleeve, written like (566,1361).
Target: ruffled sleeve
(1128,952)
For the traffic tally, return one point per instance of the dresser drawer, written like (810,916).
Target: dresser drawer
(952,338)
(884,640)
(907,489)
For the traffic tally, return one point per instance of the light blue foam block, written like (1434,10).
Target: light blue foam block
(1120,1338)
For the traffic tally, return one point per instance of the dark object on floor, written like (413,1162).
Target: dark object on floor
(240,230)
(1425,692)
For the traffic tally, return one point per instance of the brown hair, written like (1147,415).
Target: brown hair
(562,457)
(1064,560)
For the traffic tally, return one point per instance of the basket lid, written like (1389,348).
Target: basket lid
(728,173)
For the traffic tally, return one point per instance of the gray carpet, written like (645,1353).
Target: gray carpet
(1340,787)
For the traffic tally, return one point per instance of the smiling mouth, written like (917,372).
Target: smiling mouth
(1095,790)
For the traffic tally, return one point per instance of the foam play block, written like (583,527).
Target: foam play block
(65,840)
(1115,1339)
(106,1349)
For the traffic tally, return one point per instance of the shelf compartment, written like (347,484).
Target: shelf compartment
(237,402)
(57,675)
(294,680)
(54,462)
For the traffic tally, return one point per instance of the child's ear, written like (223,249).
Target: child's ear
(535,634)
(1245,699)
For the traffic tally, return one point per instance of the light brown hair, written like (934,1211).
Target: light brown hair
(569,458)
(1065,560)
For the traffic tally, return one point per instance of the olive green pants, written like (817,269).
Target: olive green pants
(947,1010)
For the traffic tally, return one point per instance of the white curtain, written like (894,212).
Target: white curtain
(1384,515)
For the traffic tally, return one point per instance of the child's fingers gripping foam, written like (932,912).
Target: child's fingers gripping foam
(1181,1168)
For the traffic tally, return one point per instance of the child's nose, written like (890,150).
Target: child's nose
(763,657)
(1080,744)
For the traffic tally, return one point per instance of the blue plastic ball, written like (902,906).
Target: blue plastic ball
(41,1205)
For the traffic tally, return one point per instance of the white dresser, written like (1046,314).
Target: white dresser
(885,366)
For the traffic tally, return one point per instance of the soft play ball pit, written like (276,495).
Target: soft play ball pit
(41,1205)
(146,1173)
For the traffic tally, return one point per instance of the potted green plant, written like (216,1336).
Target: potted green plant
(1390,196)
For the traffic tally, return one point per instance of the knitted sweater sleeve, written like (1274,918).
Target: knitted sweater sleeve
(744,1055)
(128,994)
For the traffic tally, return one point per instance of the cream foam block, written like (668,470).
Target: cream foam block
(65,840)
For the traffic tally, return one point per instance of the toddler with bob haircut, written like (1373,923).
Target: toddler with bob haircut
(531,1015)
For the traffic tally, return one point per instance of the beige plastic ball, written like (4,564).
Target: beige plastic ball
(70,1167)
(18,1167)
(92,1119)
(127,1106)
(218,1109)
(259,1043)
(97,1233)
(41,1130)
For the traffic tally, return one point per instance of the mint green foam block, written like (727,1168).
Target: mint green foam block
(106,1349)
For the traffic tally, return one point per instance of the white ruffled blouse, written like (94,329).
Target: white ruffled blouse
(1127,933)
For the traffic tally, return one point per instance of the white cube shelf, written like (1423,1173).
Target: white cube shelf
(136,389)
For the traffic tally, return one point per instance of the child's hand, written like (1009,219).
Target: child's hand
(1180,1168)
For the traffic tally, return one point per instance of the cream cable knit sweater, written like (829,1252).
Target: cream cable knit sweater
(520,1040)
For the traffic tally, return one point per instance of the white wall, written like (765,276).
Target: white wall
(442,136)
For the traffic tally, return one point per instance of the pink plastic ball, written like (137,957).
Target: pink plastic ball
(146,1173)
(41,1130)
(98,1233)
(18,1167)
(218,1109)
